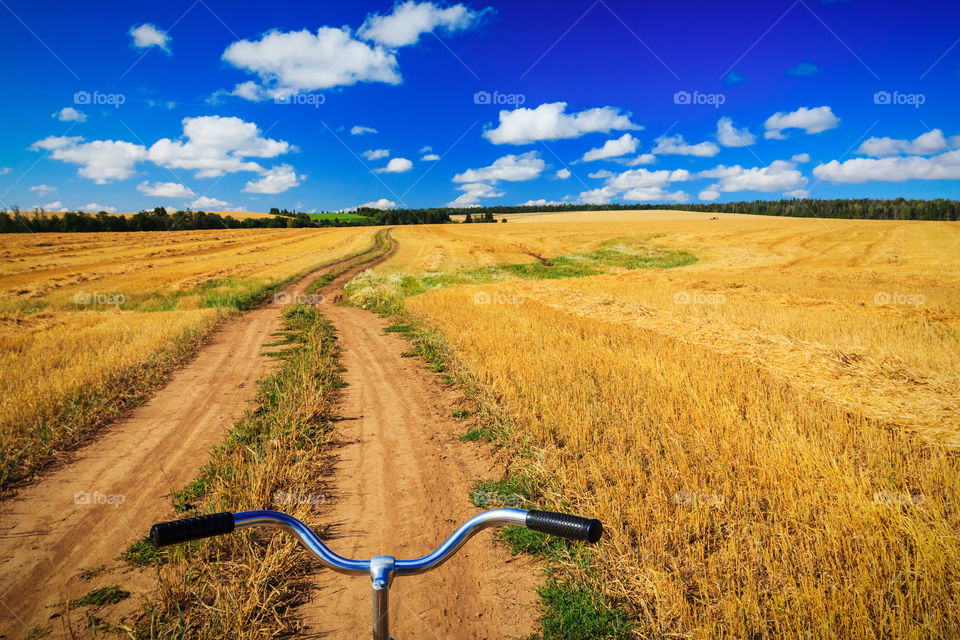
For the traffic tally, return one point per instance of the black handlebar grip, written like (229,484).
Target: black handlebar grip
(165,533)
(565,525)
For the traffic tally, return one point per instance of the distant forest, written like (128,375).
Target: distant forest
(160,220)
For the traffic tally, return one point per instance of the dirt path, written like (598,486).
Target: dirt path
(83,515)
(403,483)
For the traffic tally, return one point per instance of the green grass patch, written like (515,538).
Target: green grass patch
(572,613)
(104,595)
(398,328)
(143,553)
(341,216)
(475,435)
(460,413)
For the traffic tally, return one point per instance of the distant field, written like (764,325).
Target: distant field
(771,434)
(337,216)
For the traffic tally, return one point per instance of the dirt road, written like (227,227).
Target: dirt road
(83,515)
(404,482)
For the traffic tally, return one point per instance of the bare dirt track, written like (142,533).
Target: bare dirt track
(70,519)
(404,481)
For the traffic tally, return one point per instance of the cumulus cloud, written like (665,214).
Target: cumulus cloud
(69,114)
(472,193)
(404,25)
(430,157)
(638,185)
(924,145)
(56,205)
(801,157)
(810,120)
(643,158)
(779,175)
(42,188)
(799,194)
(945,166)
(562,174)
(729,136)
(602,173)
(275,180)
(550,121)
(93,207)
(165,190)
(397,165)
(676,145)
(541,202)
(612,148)
(203,202)
(99,160)
(512,168)
(360,130)
(148,35)
(382,203)
(375,154)
(214,145)
(709,194)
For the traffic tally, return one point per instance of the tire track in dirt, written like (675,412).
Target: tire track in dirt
(48,534)
(402,482)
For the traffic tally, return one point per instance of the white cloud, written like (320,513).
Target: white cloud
(945,166)
(69,114)
(275,180)
(203,202)
(654,194)
(216,145)
(637,185)
(430,157)
(541,202)
(563,174)
(603,173)
(295,61)
(359,130)
(375,154)
(512,168)
(926,144)
(148,35)
(810,120)
(801,157)
(676,145)
(382,203)
(5,170)
(42,188)
(396,165)
(425,149)
(99,160)
(409,20)
(603,195)
(550,122)
(165,190)
(93,207)
(635,178)
(612,148)
(800,194)
(56,205)
(709,194)
(729,136)
(779,175)
(472,193)
(643,158)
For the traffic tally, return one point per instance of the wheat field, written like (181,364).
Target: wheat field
(89,321)
(770,435)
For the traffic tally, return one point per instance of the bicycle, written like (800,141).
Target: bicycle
(381,569)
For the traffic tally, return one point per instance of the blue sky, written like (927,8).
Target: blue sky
(326,106)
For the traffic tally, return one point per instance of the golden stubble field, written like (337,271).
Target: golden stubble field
(770,435)
(89,321)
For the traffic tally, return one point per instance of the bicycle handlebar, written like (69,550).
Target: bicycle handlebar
(557,524)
